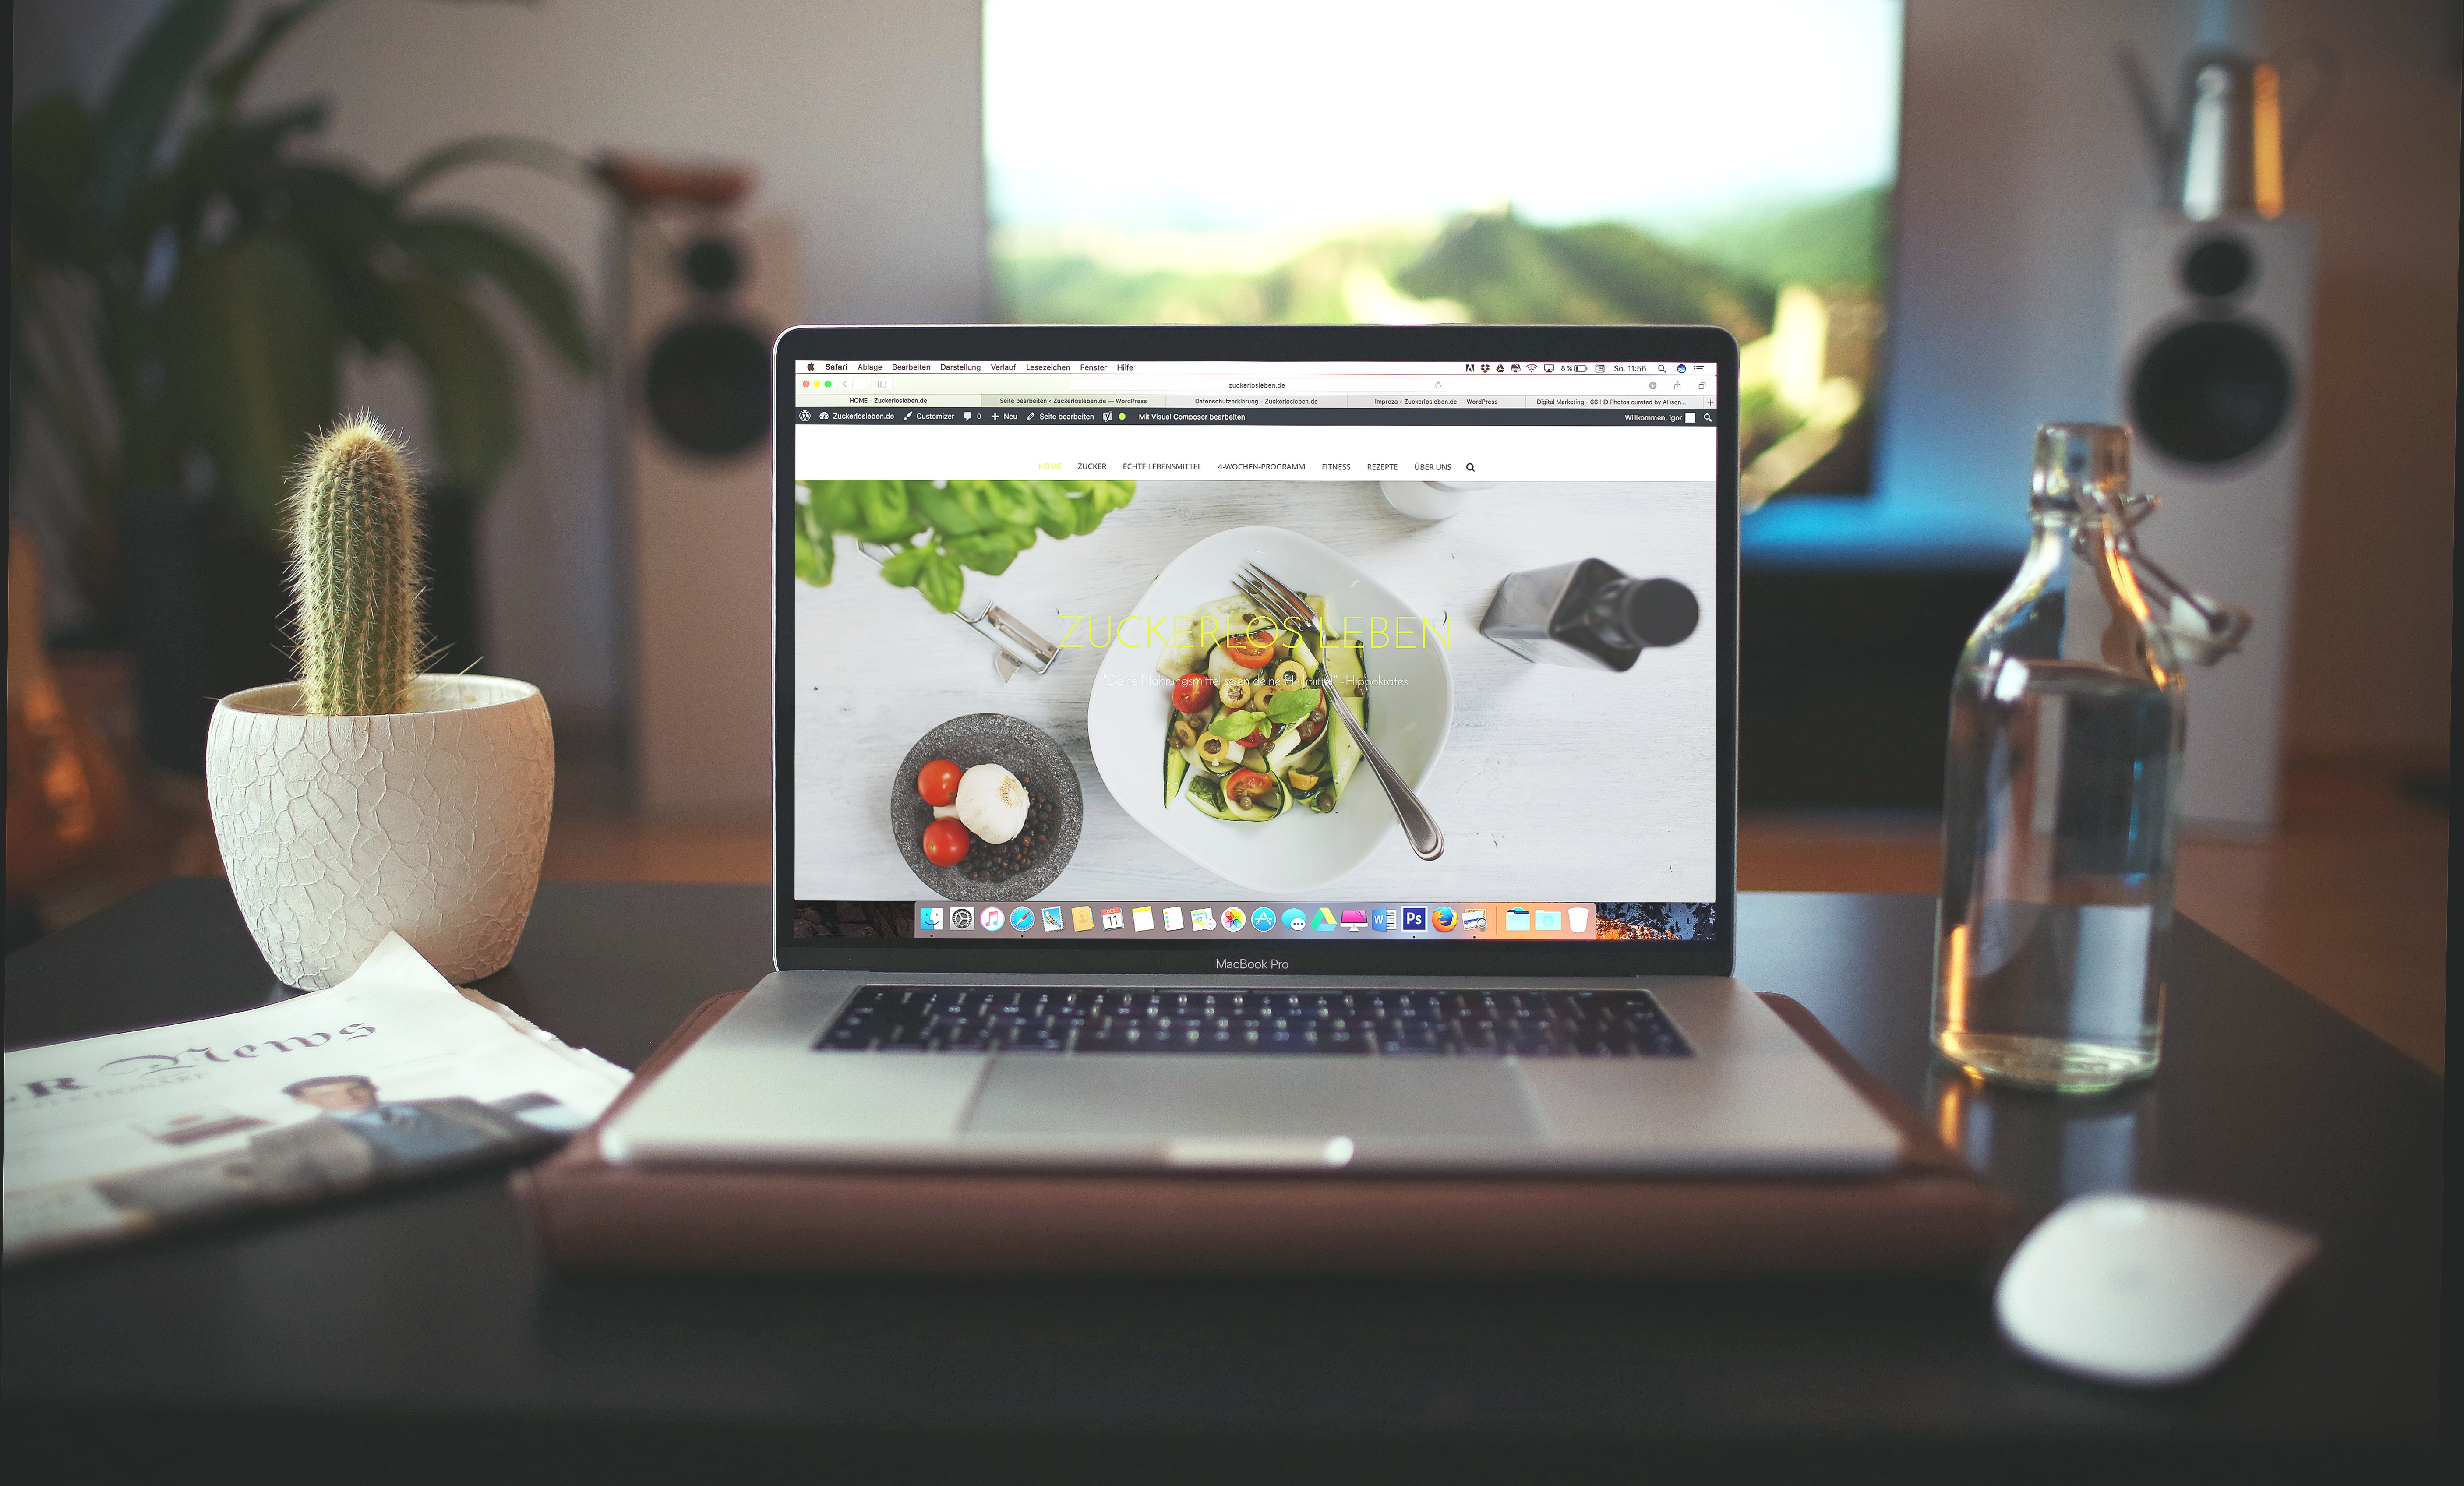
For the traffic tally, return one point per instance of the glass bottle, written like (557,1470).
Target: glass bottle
(2059,806)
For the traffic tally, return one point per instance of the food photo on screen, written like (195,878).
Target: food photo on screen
(1188,741)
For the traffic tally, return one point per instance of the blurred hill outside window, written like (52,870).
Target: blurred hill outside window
(1728,162)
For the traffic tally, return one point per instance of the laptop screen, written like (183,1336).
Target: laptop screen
(1107,643)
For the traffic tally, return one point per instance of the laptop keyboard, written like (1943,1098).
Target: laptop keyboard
(1355,1024)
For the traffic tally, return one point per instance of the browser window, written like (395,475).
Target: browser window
(1221,651)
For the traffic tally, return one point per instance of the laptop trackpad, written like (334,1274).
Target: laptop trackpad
(1160,1094)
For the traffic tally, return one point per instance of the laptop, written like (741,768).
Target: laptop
(1255,748)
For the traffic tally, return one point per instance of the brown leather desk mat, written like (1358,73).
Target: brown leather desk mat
(1933,1211)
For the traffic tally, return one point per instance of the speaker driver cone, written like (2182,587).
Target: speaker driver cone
(2211,392)
(708,386)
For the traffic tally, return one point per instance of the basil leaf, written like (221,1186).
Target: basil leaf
(990,553)
(882,506)
(813,554)
(943,584)
(906,569)
(1291,704)
(944,527)
(833,503)
(1236,725)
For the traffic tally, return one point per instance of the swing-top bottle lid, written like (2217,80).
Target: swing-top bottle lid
(2074,459)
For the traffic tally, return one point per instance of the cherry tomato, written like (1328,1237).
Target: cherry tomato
(939,782)
(1256,739)
(945,843)
(1247,787)
(1193,693)
(1250,650)
(1313,724)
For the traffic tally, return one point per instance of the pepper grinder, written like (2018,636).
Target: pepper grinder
(1589,615)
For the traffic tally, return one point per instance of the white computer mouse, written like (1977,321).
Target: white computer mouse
(2139,1290)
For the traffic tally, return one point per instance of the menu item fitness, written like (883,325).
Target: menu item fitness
(1250,736)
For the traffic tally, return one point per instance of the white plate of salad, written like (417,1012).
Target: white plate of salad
(1213,733)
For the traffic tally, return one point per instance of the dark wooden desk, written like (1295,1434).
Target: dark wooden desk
(412,1334)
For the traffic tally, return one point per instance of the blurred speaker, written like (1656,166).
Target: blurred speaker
(2213,372)
(707,289)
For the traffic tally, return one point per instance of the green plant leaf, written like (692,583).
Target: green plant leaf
(954,510)
(1066,512)
(906,569)
(981,525)
(219,163)
(129,129)
(454,246)
(228,81)
(1291,704)
(1009,502)
(943,584)
(993,552)
(345,226)
(51,151)
(495,149)
(831,503)
(1056,512)
(469,383)
(814,553)
(881,511)
(249,338)
(1236,725)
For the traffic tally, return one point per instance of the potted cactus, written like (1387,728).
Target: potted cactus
(367,797)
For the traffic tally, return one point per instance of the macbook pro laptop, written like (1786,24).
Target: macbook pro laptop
(1304,748)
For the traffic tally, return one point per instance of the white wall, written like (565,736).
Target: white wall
(2374,636)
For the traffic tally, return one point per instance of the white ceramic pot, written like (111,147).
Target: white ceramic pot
(429,822)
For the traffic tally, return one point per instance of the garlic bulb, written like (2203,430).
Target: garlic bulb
(991,803)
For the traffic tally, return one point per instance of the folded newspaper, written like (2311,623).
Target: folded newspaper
(392,1075)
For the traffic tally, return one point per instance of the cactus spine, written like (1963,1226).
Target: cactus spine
(355,574)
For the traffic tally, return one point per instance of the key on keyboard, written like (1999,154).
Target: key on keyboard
(1355,1024)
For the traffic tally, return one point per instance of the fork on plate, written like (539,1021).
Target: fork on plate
(1419,827)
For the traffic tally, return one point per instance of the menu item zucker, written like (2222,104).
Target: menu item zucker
(1250,736)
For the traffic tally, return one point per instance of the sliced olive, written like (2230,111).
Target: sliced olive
(1183,733)
(1236,694)
(1290,673)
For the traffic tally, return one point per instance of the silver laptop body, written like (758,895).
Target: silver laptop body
(1057,1040)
